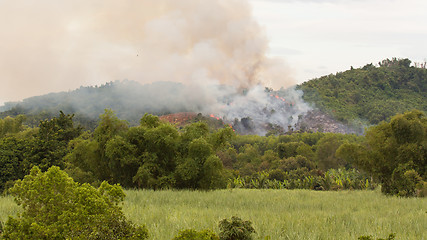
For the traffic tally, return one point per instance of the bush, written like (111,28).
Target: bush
(190,234)
(56,207)
(404,182)
(236,229)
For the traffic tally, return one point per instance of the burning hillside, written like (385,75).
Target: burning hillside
(179,119)
(215,49)
(257,110)
(252,111)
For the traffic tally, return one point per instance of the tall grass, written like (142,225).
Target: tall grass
(280,214)
(8,208)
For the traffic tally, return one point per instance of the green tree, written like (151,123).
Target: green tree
(149,121)
(325,153)
(109,126)
(14,163)
(123,160)
(213,175)
(22,148)
(395,153)
(56,207)
(10,125)
(51,141)
(221,137)
(89,152)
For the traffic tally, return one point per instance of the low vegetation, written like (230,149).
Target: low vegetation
(277,214)
(56,207)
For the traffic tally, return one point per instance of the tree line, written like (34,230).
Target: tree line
(158,155)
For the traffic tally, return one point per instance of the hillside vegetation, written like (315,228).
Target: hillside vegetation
(371,93)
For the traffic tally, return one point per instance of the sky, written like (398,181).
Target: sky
(44,44)
(320,37)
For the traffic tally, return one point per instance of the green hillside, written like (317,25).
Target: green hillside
(371,93)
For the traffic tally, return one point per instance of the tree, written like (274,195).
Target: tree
(149,121)
(56,207)
(109,126)
(51,141)
(88,152)
(395,153)
(212,174)
(13,160)
(122,160)
(43,147)
(325,153)
(11,125)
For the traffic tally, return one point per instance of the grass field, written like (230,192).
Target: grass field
(280,214)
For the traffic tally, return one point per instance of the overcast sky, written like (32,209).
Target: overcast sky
(319,37)
(50,46)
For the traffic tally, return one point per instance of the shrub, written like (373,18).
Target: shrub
(236,229)
(190,234)
(404,182)
(56,207)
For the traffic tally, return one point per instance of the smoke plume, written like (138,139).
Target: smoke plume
(49,46)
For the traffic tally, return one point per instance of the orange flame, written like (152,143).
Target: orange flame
(282,99)
(213,116)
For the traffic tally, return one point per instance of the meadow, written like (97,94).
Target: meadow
(279,214)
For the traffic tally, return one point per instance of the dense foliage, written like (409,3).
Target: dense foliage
(157,155)
(21,148)
(56,207)
(370,93)
(395,153)
(152,155)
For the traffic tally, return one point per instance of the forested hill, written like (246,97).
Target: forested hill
(371,93)
(129,100)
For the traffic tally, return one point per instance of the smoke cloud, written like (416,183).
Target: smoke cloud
(49,46)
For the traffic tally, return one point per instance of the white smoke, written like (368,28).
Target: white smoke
(49,45)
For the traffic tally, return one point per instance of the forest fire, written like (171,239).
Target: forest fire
(213,116)
(282,99)
(178,118)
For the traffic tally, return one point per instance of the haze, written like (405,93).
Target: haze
(50,45)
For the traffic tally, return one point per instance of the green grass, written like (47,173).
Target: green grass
(280,214)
